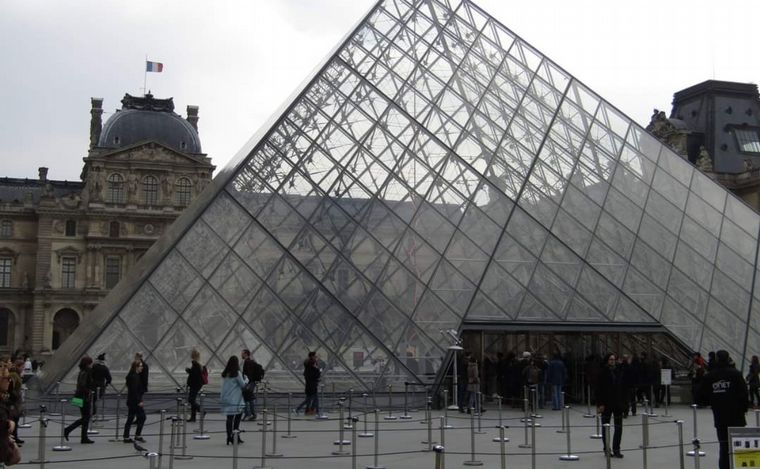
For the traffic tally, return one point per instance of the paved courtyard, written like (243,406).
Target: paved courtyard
(402,443)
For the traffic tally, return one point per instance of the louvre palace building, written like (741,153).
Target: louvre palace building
(436,180)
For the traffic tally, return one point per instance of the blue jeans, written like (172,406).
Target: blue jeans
(557,396)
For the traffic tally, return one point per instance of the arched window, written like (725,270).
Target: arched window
(116,189)
(150,190)
(65,323)
(6,328)
(183,191)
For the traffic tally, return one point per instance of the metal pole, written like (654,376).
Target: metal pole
(152,460)
(350,417)
(446,409)
(61,446)
(23,423)
(443,442)
(696,450)
(290,411)
(455,393)
(57,398)
(607,452)
(439,453)
(757,417)
(534,394)
(102,404)
(390,415)
(161,437)
(182,434)
(90,431)
(563,415)
(499,439)
(566,417)
(116,428)
(263,440)
(365,433)
(235,436)
(679,425)
(353,442)
(644,439)
(533,446)
(274,453)
(588,414)
(172,440)
(42,437)
(429,421)
(376,465)
(472,461)
(502,448)
(695,437)
(478,407)
(526,421)
(202,434)
(406,415)
(322,414)
(597,435)
(340,441)
(667,400)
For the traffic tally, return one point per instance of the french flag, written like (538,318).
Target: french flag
(154,66)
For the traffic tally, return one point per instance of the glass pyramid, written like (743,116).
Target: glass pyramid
(435,170)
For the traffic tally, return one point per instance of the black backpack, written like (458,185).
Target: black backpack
(258,372)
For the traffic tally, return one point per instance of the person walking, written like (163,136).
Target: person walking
(611,400)
(144,373)
(311,374)
(101,377)
(723,388)
(84,391)
(135,407)
(194,383)
(473,385)
(753,380)
(254,373)
(556,376)
(231,398)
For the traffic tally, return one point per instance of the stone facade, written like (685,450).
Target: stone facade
(64,245)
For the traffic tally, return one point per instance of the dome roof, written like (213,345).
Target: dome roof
(143,119)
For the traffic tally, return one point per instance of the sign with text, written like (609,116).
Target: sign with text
(744,445)
(665,375)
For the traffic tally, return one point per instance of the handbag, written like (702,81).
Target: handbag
(248,391)
(77,402)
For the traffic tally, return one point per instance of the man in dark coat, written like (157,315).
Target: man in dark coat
(611,400)
(101,377)
(724,389)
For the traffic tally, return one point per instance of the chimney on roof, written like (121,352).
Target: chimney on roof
(96,122)
(43,173)
(192,116)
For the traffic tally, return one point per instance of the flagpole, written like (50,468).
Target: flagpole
(145,75)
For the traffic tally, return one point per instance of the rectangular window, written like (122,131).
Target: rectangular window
(6,228)
(113,271)
(748,140)
(71,228)
(68,272)
(5,272)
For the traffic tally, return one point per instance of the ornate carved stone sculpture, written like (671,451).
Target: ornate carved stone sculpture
(704,162)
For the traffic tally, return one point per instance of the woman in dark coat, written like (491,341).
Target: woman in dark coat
(85,385)
(135,390)
(194,383)
(611,399)
(311,374)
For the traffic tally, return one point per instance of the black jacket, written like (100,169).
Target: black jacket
(725,390)
(311,374)
(134,389)
(144,377)
(194,378)
(101,376)
(612,389)
(85,384)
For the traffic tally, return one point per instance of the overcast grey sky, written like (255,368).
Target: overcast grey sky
(240,59)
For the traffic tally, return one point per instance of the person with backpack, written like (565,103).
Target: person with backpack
(254,373)
(195,381)
(101,377)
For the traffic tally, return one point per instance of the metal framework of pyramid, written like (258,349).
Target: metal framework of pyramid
(436,170)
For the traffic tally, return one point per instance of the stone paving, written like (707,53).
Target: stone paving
(400,443)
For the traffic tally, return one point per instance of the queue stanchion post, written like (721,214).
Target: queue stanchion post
(152,460)
(526,421)
(406,415)
(533,446)
(235,445)
(201,430)
(322,415)
(439,455)
(173,437)
(354,420)
(390,415)
(161,437)
(479,410)
(563,429)
(443,438)
(502,447)
(429,419)
(588,414)
(597,435)
(376,455)
(696,451)
(666,398)
(340,442)
(274,453)
(182,435)
(534,395)
(91,403)
(41,444)
(23,423)
(644,439)
(607,452)
(263,441)
(365,433)
(290,412)
(446,409)
(472,461)
(679,426)
(696,444)
(349,419)
(61,446)
(569,456)
(500,426)
(116,438)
